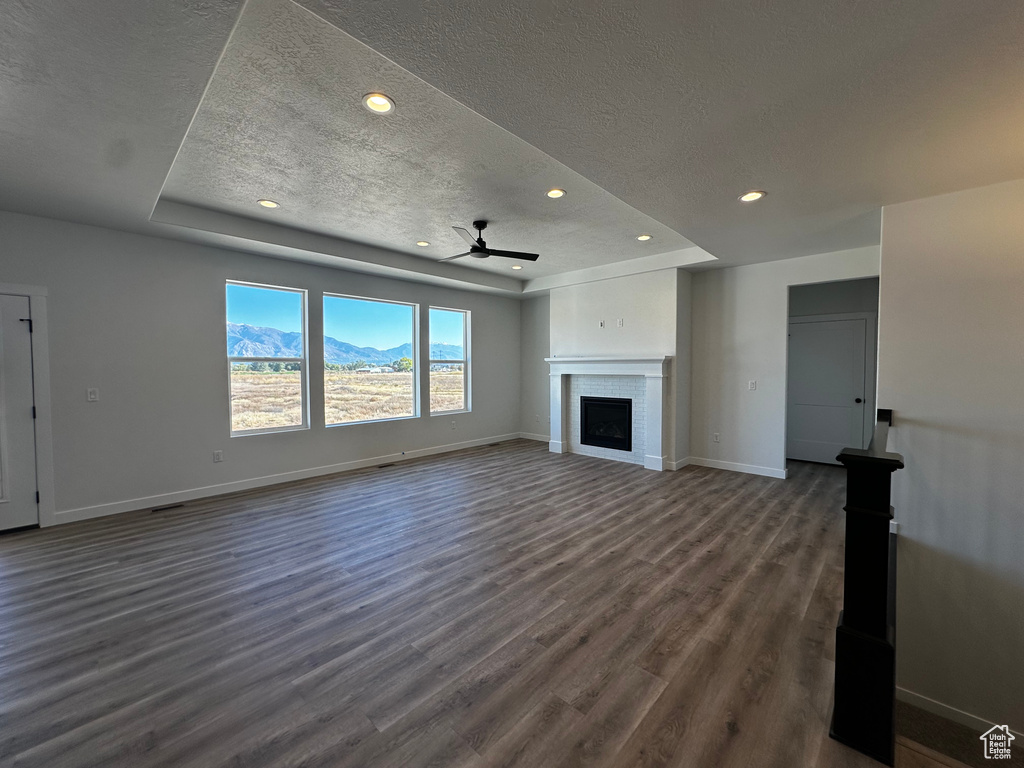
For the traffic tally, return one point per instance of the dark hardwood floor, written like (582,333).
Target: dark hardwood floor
(501,606)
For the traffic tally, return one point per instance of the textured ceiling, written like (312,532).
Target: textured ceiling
(283,119)
(836,108)
(669,108)
(95,98)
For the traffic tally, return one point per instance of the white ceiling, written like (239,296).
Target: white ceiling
(664,112)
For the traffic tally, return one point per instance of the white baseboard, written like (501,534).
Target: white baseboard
(950,713)
(750,469)
(674,465)
(657,463)
(532,436)
(558,446)
(177,497)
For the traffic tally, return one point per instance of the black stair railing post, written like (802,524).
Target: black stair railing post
(863,715)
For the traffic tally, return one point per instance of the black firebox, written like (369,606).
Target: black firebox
(607,422)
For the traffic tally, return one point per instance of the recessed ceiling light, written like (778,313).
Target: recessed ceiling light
(752,195)
(556,193)
(517,266)
(642,238)
(268,203)
(379,103)
(422,243)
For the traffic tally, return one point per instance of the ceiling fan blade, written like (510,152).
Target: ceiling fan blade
(514,254)
(457,256)
(465,235)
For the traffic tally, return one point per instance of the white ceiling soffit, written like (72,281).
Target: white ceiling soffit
(678,107)
(207,227)
(692,258)
(283,119)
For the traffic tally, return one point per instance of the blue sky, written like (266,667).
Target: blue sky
(363,323)
(248,305)
(446,327)
(367,323)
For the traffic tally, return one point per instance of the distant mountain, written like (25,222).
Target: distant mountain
(254,341)
(249,341)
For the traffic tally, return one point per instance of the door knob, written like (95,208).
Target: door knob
(858,400)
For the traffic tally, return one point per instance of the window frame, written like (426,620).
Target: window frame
(467,403)
(302,361)
(415,356)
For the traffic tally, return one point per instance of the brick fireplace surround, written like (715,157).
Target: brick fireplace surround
(643,380)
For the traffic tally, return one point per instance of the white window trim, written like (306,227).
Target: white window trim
(303,363)
(465,362)
(415,357)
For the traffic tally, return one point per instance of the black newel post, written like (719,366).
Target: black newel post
(864,713)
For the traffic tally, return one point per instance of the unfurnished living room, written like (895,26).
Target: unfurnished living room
(511,384)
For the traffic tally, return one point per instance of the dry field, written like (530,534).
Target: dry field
(265,400)
(269,400)
(446,391)
(350,396)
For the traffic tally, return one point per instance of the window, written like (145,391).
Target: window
(266,329)
(449,360)
(369,360)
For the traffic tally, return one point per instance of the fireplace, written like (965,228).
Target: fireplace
(642,380)
(607,422)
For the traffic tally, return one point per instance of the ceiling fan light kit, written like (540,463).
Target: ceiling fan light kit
(478,248)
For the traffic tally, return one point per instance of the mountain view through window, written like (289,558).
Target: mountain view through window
(369,360)
(266,358)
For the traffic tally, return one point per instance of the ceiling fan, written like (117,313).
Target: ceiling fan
(478,248)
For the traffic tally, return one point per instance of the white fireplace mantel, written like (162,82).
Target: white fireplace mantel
(654,369)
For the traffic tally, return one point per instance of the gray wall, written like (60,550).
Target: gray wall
(681,373)
(142,319)
(535,392)
(951,365)
(842,297)
(739,334)
(646,304)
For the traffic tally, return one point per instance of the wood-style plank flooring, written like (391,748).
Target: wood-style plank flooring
(500,606)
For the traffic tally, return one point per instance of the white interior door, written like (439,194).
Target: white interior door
(18,505)
(826,389)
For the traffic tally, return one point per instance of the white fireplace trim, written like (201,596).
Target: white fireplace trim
(653,369)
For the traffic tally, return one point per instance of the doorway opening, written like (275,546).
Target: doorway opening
(831,368)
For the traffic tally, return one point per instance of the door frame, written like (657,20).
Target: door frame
(870,368)
(43,422)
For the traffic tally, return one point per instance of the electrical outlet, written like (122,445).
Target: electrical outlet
(218,456)
(453,423)
(714,437)
(536,418)
(752,384)
(600,323)
(619,322)
(92,394)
